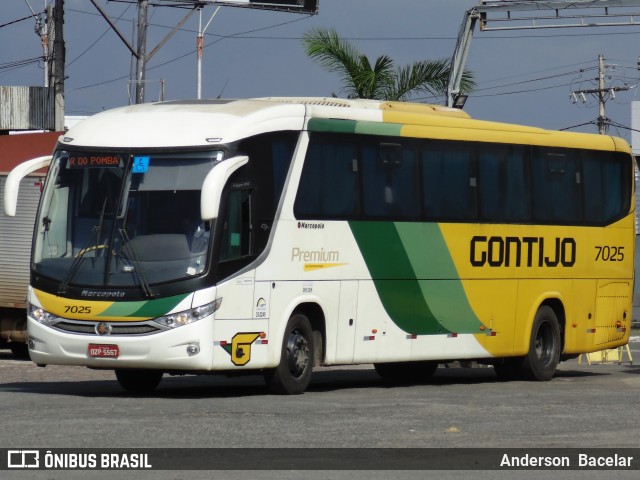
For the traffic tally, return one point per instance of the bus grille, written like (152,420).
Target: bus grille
(116,328)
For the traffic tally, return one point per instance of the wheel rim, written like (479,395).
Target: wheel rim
(297,354)
(545,344)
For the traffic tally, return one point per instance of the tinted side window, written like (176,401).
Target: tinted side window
(449,182)
(556,186)
(351,176)
(606,186)
(329,182)
(251,199)
(389,180)
(503,193)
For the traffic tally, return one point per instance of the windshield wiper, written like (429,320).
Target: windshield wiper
(80,256)
(130,252)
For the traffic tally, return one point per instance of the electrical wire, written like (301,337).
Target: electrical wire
(577,126)
(97,40)
(192,52)
(20,63)
(16,21)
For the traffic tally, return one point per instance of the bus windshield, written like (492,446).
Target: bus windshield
(122,219)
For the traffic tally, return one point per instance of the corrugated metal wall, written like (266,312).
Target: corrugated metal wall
(15,242)
(27,108)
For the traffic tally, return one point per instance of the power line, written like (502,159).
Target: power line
(619,125)
(191,52)
(376,38)
(16,21)
(97,40)
(549,77)
(523,91)
(20,63)
(577,126)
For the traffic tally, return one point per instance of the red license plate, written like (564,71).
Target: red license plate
(103,351)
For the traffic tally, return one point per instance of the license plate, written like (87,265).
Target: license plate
(103,351)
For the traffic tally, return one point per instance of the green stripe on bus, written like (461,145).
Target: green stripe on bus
(149,309)
(329,125)
(351,126)
(430,258)
(395,281)
(375,128)
(122,309)
(420,288)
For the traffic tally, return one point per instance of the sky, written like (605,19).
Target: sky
(523,76)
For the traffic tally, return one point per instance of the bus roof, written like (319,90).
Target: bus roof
(211,122)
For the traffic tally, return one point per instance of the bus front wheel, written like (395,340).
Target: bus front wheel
(543,357)
(293,373)
(138,381)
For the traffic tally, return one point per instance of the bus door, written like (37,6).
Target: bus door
(346,329)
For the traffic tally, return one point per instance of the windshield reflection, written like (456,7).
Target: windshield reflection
(117,219)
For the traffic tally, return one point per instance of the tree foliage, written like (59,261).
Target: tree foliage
(381,80)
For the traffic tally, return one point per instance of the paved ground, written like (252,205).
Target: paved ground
(72,407)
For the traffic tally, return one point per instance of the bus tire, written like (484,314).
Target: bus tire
(406,372)
(544,347)
(138,381)
(293,374)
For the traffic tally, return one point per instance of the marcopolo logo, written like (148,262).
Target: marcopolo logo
(310,226)
(103,293)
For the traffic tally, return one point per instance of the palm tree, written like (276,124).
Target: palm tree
(382,80)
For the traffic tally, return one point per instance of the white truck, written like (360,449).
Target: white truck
(16,233)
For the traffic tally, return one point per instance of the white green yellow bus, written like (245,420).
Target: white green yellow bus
(274,235)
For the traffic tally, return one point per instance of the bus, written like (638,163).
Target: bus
(274,235)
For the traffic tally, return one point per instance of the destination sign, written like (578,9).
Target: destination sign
(95,161)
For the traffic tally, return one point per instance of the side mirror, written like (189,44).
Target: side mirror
(213,184)
(12,184)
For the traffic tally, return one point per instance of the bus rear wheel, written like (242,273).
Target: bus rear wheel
(406,372)
(293,373)
(138,381)
(543,357)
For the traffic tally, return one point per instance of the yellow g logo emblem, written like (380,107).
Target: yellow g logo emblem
(240,348)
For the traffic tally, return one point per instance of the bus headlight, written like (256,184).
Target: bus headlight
(189,316)
(41,316)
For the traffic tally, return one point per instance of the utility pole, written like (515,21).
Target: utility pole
(602,124)
(53,44)
(602,93)
(42,30)
(200,48)
(57,70)
(141,49)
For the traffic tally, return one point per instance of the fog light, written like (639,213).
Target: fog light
(193,350)
(32,344)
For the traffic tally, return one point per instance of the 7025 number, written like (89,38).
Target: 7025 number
(609,254)
(77,309)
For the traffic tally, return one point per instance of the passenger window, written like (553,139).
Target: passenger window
(605,195)
(556,186)
(329,182)
(390,181)
(236,231)
(449,182)
(503,194)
